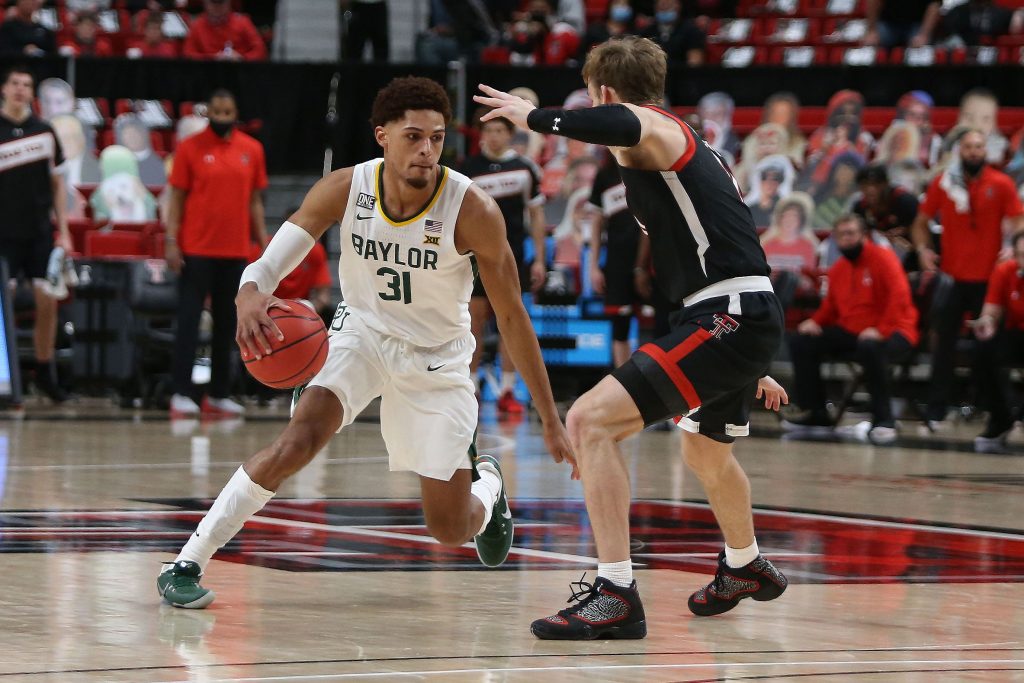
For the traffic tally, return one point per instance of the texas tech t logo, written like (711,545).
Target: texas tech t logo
(723,325)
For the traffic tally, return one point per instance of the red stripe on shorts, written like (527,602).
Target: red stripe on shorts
(669,363)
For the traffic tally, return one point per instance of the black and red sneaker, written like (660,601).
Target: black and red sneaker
(759,580)
(602,610)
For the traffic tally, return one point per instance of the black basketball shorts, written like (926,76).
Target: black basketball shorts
(704,372)
(27,257)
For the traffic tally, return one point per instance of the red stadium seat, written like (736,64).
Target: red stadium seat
(731,31)
(79,227)
(799,56)
(495,54)
(858,56)
(794,31)
(844,31)
(114,243)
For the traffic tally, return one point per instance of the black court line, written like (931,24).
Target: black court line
(457,658)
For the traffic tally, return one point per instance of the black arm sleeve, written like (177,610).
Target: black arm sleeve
(613,125)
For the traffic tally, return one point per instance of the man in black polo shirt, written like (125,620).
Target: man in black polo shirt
(31,190)
(887,210)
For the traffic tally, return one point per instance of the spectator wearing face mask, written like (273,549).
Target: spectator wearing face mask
(978,208)
(680,37)
(215,211)
(868,312)
(618,22)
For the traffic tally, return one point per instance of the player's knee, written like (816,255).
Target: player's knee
(295,447)
(446,533)
(707,459)
(584,424)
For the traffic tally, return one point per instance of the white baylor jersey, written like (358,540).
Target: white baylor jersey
(405,278)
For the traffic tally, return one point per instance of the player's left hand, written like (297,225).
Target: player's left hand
(774,395)
(556,438)
(513,108)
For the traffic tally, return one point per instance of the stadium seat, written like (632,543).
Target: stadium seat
(793,31)
(731,31)
(79,227)
(114,243)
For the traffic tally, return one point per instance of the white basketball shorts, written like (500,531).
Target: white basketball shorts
(428,410)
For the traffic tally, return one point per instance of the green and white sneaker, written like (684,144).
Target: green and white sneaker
(494,542)
(178,584)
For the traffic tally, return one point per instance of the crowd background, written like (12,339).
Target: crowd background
(801,166)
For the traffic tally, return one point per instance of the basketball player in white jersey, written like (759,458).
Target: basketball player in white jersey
(410,233)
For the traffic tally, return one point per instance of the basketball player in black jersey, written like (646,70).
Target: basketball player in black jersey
(706,371)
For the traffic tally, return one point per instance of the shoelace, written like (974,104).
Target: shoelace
(580,597)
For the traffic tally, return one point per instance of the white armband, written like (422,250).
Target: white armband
(286,250)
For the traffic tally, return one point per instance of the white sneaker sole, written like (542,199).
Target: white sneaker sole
(195,604)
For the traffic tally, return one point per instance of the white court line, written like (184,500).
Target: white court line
(857,521)
(964,665)
(173,465)
(305,553)
(427,540)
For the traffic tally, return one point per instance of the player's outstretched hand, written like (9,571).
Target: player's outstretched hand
(513,108)
(774,395)
(556,438)
(255,326)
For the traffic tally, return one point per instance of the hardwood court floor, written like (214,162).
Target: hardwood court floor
(905,563)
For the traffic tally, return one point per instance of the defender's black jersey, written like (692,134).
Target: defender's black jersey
(701,231)
(514,183)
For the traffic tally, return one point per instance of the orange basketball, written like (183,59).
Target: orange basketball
(295,359)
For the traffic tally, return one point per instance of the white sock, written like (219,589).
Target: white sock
(739,557)
(487,489)
(619,573)
(238,501)
(508,380)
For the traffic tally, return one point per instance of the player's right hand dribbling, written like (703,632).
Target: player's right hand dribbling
(255,326)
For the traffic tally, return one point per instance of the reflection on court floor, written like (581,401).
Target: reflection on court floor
(368,535)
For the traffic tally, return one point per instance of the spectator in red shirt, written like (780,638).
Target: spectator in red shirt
(85,41)
(219,33)
(973,202)
(1000,333)
(215,211)
(867,313)
(153,43)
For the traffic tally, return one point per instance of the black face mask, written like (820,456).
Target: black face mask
(971,168)
(852,253)
(222,128)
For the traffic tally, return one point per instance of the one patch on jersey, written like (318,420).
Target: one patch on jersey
(366,201)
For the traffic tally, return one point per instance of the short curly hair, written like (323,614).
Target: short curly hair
(409,92)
